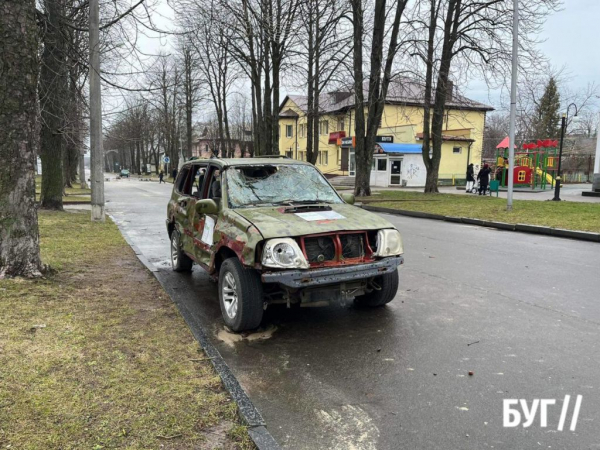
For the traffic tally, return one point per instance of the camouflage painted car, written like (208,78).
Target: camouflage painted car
(273,230)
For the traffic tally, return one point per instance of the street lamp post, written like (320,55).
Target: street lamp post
(563,130)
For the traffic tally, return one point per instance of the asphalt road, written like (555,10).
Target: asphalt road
(522,312)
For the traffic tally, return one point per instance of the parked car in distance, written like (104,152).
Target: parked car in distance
(273,230)
(124,173)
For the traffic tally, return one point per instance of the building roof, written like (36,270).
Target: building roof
(400,148)
(505,143)
(401,91)
(289,113)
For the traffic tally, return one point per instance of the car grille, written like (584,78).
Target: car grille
(319,249)
(353,245)
(336,248)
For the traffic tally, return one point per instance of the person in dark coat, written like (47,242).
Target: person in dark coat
(161,175)
(174,174)
(484,179)
(470,177)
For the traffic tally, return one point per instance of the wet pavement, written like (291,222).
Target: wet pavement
(519,311)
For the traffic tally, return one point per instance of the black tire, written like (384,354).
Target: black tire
(378,297)
(179,260)
(247,292)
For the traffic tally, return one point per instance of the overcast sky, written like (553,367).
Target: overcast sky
(571,39)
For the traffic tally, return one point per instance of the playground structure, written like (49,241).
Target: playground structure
(536,164)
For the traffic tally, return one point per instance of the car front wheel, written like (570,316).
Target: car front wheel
(240,296)
(384,288)
(179,260)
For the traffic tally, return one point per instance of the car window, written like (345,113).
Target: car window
(198,176)
(273,184)
(214,185)
(181,179)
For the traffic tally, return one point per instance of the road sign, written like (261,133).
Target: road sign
(166,159)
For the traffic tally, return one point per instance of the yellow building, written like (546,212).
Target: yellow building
(398,159)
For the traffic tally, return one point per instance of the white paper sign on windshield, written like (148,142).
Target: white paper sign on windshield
(320,215)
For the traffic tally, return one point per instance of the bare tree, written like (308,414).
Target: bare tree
(19,128)
(469,35)
(325,46)
(378,82)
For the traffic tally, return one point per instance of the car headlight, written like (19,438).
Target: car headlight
(283,253)
(389,243)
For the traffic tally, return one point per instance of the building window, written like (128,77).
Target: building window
(521,176)
(323,158)
(341,125)
(381,164)
(289,131)
(301,131)
(324,127)
(457,150)
(301,156)
(289,153)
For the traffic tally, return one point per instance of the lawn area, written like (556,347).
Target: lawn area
(567,215)
(96,356)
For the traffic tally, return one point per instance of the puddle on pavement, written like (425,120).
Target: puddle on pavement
(230,338)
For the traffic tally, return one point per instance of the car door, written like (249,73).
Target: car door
(204,224)
(185,200)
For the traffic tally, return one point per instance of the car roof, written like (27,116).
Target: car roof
(249,161)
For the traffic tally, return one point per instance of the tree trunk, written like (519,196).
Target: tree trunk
(19,128)
(53,83)
(310,113)
(362,185)
(82,179)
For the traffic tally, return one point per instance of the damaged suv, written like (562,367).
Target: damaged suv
(273,230)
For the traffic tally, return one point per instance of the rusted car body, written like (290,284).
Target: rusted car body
(273,230)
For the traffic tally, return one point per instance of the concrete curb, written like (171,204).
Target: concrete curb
(250,415)
(525,228)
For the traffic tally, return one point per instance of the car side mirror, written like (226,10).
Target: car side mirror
(207,206)
(348,198)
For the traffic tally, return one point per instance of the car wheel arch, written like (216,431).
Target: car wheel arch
(222,254)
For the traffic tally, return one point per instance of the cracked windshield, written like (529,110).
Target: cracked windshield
(277,184)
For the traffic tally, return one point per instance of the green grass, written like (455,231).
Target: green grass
(96,356)
(567,215)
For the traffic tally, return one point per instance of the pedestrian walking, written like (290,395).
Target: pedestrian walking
(161,175)
(174,174)
(470,178)
(484,179)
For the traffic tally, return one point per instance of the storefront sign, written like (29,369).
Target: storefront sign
(386,139)
(346,141)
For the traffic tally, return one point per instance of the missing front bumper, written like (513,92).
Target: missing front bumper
(298,279)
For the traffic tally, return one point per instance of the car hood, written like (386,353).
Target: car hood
(275,222)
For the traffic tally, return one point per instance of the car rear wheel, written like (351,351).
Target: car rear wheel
(384,290)
(240,295)
(179,260)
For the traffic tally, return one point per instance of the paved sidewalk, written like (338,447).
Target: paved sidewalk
(569,192)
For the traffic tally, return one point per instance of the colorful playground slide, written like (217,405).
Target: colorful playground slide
(549,178)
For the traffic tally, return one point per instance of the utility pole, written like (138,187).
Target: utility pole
(558,177)
(596,185)
(513,106)
(96,150)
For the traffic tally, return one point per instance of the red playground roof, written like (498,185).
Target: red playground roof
(504,143)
